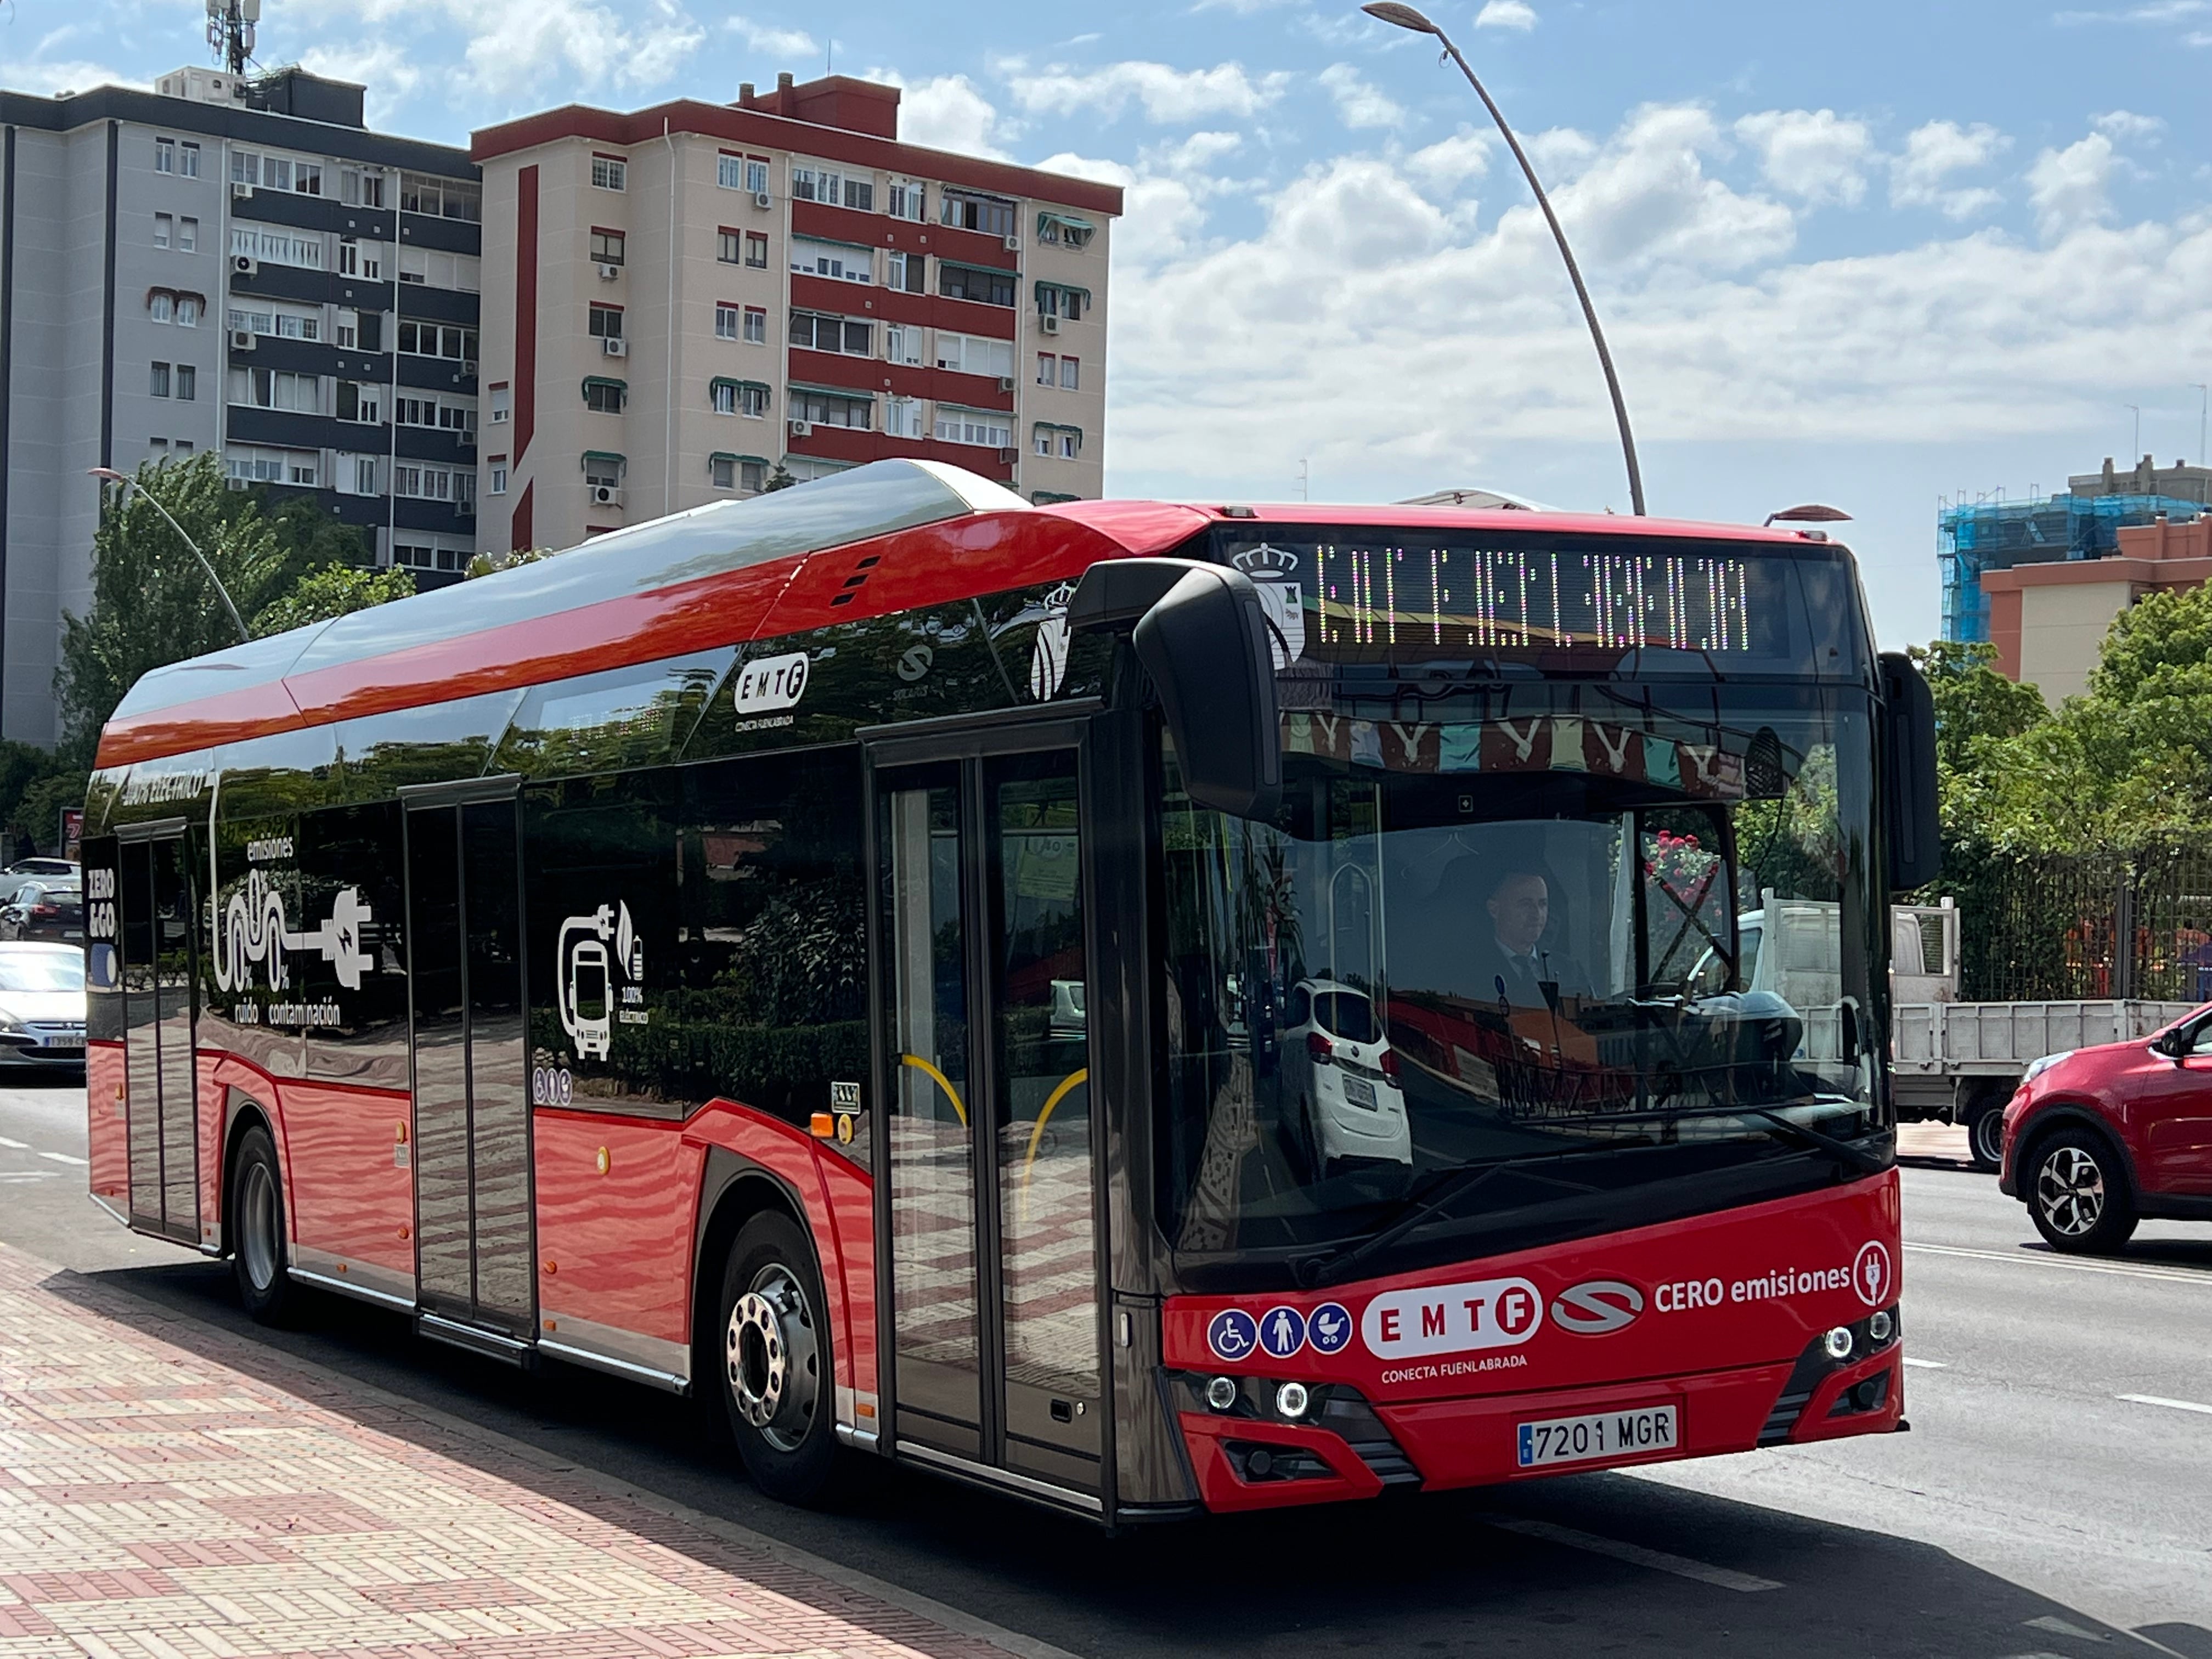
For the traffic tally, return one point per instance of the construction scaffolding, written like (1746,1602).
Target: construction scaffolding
(1998,534)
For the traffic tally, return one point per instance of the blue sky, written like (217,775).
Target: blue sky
(1865,255)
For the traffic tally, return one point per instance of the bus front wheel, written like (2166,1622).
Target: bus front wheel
(773,1361)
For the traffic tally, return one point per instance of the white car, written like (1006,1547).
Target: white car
(42,1005)
(1339,1064)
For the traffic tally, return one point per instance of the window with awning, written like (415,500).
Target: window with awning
(1064,229)
(727,396)
(604,395)
(1062,299)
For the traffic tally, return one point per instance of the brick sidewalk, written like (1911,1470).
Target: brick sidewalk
(161,1502)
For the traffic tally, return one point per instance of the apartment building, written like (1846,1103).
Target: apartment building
(679,301)
(230,265)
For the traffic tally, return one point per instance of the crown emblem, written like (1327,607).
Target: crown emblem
(1265,561)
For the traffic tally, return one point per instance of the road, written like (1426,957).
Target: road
(2045,1503)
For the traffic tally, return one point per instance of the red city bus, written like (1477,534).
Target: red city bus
(1146,1007)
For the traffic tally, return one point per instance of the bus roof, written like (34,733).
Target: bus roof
(886,537)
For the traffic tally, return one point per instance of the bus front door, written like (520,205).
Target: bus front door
(993,1340)
(155,914)
(475,1274)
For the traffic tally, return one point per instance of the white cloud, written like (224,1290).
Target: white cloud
(948,113)
(1646,199)
(1167,95)
(514,47)
(1506,15)
(44,80)
(388,71)
(2157,11)
(769,38)
(2125,123)
(1359,102)
(2071,187)
(1450,162)
(1354,282)
(1815,155)
(1918,177)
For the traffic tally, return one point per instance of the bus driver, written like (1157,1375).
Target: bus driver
(1515,966)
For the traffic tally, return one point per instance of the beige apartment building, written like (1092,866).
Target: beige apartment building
(680,301)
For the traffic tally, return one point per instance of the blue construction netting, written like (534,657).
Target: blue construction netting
(1998,535)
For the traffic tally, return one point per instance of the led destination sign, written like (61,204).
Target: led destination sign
(1349,599)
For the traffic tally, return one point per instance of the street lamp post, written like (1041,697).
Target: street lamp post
(1405,17)
(109,475)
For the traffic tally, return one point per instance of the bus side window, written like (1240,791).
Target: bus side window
(773,930)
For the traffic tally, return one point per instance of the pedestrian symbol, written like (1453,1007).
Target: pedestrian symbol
(1282,1332)
(1232,1334)
(1328,1327)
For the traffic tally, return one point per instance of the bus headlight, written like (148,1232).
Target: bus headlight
(1838,1343)
(1221,1393)
(1291,1400)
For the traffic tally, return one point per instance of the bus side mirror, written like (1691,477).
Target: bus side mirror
(1203,635)
(1912,822)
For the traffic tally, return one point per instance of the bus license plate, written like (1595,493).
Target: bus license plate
(1602,1434)
(1360,1093)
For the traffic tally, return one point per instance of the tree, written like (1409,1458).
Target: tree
(285,562)
(778,479)
(2125,767)
(151,602)
(333,590)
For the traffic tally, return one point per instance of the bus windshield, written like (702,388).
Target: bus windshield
(1519,930)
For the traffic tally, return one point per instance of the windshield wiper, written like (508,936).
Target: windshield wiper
(1860,1159)
(1449,1185)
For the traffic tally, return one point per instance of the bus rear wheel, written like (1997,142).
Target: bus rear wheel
(257,1229)
(773,1361)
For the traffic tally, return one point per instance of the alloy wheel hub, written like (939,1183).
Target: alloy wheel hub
(2070,1188)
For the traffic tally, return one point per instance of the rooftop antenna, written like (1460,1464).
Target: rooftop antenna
(1304,481)
(230,31)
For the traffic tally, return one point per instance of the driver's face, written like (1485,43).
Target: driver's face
(1518,910)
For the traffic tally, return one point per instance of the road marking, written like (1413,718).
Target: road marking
(17,1146)
(1635,1554)
(13,1176)
(2160,1400)
(67,1158)
(1928,1364)
(2029,1259)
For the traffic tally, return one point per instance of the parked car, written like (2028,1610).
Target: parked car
(43,867)
(42,1006)
(2099,1139)
(44,909)
(15,877)
(1339,1065)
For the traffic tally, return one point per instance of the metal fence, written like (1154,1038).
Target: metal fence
(2041,926)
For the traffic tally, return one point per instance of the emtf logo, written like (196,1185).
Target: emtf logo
(1597,1307)
(1486,1313)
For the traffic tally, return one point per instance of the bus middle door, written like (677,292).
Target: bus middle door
(474,1241)
(993,1332)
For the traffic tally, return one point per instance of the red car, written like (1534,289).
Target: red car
(2097,1139)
